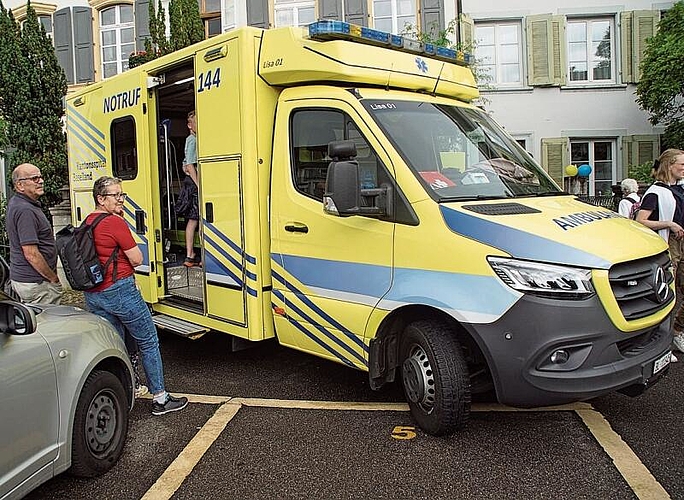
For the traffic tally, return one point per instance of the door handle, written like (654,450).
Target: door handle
(296,228)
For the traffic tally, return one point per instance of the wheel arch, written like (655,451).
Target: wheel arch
(384,347)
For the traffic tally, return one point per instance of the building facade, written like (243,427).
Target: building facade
(560,79)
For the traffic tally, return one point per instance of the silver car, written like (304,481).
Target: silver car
(66,389)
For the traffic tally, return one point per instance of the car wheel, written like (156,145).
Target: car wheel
(100,425)
(435,377)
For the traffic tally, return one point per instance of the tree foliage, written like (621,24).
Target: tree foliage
(185,23)
(186,28)
(660,91)
(32,87)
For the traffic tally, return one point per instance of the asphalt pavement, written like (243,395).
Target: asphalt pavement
(270,422)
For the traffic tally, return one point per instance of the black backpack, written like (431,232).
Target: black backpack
(76,250)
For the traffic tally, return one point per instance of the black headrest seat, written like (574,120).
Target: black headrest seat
(341,150)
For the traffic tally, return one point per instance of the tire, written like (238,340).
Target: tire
(435,377)
(100,425)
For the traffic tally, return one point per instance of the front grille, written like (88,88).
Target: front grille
(639,343)
(633,285)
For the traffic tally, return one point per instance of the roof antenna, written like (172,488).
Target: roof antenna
(434,90)
(389,76)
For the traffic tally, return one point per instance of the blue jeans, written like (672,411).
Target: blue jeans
(122,305)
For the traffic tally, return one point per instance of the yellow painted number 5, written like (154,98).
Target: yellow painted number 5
(403,432)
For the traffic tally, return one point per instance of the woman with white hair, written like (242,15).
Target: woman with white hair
(631,201)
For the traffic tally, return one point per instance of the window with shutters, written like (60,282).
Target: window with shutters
(210,13)
(591,50)
(498,49)
(294,12)
(393,15)
(117,38)
(600,155)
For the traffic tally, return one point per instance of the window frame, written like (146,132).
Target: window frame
(496,77)
(394,16)
(591,59)
(126,145)
(294,6)
(592,142)
(209,16)
(117,27)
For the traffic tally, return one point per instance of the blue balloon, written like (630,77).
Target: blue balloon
(584,170)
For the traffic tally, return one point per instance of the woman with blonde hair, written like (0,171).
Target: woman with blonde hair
(662,209)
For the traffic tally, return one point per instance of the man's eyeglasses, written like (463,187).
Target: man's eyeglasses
(118,196)
(34,178)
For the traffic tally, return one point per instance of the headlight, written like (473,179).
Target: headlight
(545,280)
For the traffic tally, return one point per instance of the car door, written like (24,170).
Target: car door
(328,272)
(30,412)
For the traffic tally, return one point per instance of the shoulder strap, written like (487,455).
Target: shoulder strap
(115,253)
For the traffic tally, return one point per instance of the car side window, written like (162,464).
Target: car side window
(310,132)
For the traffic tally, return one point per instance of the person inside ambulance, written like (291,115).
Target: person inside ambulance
(187,204)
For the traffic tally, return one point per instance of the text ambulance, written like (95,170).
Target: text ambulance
(355,206)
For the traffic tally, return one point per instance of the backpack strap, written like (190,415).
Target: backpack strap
(115,253)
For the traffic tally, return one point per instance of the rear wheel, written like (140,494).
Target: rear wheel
(100,425)
(435,377)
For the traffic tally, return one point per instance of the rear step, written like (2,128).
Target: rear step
(179,327)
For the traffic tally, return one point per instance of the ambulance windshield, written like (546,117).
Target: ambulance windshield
(459,153)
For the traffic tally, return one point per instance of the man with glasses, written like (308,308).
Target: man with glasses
(33,255)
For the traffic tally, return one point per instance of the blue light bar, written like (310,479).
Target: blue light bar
(339,30)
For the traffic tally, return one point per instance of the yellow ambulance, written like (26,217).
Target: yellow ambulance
(355,206)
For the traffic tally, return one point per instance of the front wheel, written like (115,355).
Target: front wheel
(100,425)
(435,377)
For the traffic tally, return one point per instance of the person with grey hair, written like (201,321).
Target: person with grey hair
(33,254)
(631,201)
(117,299)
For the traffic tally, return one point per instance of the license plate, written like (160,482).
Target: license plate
(662,362)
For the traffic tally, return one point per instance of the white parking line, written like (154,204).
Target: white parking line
(627,463)
(636,474)
(180,468)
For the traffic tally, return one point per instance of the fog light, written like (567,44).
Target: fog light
(559,357)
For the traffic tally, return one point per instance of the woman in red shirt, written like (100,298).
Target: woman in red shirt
(117,299)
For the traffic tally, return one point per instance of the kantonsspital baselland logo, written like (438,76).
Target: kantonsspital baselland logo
(659,285)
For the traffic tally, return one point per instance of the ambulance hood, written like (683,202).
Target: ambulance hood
(558,229)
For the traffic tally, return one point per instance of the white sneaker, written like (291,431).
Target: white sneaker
(678,342)
(673,359)
(141,390)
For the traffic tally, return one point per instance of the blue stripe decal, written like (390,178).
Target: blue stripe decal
(131,226)
(87,133)
(249,274)
(319,327)
(215,266)
(73,111)
(318,310)
(229,242)
(519,244)
(364,279)
(315,338)
(86,143)
(452,291)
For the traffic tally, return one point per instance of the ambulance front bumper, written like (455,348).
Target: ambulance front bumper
(546,352)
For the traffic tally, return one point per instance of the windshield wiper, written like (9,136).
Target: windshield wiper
(476,197)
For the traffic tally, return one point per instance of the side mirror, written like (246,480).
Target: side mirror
(342,189)
(16,318)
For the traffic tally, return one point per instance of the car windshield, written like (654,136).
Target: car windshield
(459,153)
